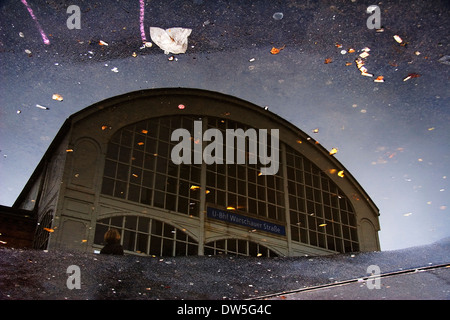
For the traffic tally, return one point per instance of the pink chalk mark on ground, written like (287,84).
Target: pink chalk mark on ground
(43,35)
(141,20)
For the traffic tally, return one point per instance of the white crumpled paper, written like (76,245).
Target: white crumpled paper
(172,40)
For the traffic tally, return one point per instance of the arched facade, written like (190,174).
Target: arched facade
(119,171)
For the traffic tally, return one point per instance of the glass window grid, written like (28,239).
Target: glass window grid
(237,247)
(241,186)
(41,235)
(319,214)
(138,167)
(147,236)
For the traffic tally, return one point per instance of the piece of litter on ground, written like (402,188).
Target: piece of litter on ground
(407,214)
(276,50)
(364,54)
(278,15)
(172,40)
(57,97)
(41,107)
(115,69)
(366,74)
(379,79)
(398,39)
(102,43)
(445,60)
(410,76)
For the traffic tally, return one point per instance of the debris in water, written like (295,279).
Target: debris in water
(379,79)
(57,97)
(408,214)
(278,15)
(102,43)
(276,50)
(42,107)
(398,39)
(445,60)
(411,75)
(333,151)
(172,40)
(364,54)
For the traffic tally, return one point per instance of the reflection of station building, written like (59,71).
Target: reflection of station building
(110,166)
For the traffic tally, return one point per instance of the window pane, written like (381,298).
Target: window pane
(171,202)
(120,189)
(155,245)
(122,172)
(134,192)
(129,239)
(142,243)
(130,222)
(108,186)
(143,224)
(158,200)
(167,249)
(146,196)
(100,231)
(110,168)
(156,227)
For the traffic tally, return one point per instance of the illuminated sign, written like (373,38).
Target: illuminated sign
(252,223)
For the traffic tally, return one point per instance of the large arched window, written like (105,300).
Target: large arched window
(139,168)
(320,214)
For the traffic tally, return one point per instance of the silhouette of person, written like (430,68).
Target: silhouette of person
(112,243)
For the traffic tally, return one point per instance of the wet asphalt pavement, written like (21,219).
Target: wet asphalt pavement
(40,275)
